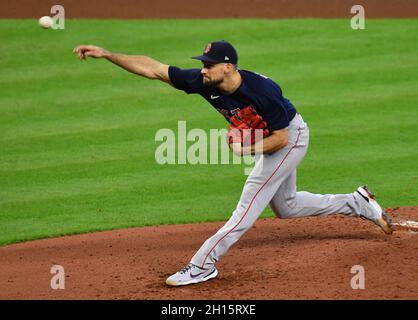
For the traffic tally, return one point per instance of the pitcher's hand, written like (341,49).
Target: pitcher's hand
(85,51)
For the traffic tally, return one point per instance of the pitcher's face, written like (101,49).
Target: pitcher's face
(213,73)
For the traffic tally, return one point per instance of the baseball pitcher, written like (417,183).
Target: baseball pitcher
(249,101)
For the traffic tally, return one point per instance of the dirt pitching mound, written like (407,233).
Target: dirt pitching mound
(309,258)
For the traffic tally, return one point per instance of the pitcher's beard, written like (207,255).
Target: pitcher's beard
(212,83)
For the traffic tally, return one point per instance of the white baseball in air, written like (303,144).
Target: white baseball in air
(46,22)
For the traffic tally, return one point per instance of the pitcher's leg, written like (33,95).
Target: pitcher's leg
(270,171)
(288,203)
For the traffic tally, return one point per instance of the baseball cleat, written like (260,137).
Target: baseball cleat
(377,215)
(191,274)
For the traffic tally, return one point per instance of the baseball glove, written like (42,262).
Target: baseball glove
(243,126)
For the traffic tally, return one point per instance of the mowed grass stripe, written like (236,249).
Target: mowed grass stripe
(130,143)
(111,177)
(115,141)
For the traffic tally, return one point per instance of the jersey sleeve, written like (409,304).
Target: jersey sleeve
(187,80)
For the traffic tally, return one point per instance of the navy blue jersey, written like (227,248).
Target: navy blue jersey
(256,91)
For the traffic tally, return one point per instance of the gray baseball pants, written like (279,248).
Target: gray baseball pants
(273,181)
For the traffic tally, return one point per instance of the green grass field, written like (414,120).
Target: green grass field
(77,138)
